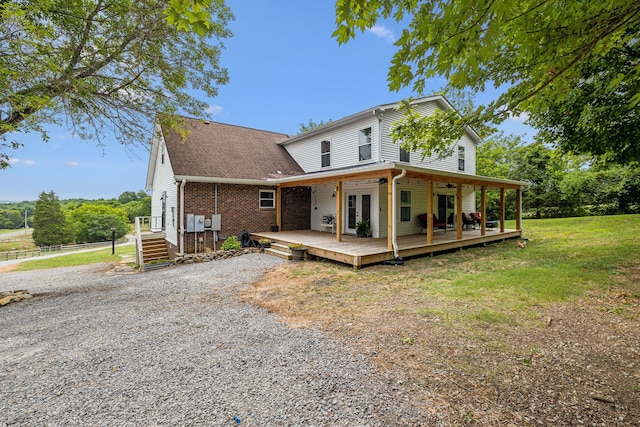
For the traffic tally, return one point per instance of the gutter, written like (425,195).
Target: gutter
(182,184)
(394,214)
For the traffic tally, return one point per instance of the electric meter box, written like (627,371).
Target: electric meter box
(191,223)
(215,222)
(199,223)
(195,223)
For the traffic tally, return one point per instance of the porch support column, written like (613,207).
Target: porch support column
(519,210)
(339,211)
(279,207)
(390,211)
(459,211)
(483,210)
(502,210)
(429,212)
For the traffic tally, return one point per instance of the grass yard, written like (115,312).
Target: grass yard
(496,335)
(72,259)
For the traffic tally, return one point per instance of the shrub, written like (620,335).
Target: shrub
(231,244)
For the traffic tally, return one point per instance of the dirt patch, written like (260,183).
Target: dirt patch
(565,364)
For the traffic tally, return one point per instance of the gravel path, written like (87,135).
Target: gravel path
(175,347)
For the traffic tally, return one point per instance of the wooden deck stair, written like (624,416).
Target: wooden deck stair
(154,249)
(281,250)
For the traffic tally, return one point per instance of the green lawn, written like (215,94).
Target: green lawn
(81,258)
(564,259)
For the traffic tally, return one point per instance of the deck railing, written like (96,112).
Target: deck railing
(46,250)
(145,224)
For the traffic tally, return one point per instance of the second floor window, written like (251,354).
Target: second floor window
(405,155)
(364,144)
(460,158)
(325,153)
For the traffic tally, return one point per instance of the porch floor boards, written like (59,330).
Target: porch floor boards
(357,251)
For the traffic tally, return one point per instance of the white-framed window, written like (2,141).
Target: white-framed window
(325,153)
(364,144)
(405,155)
(162,156)
(267,199)
(460,158)
(405,205)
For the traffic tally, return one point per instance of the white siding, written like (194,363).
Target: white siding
(163,181)
(322,203)
(391,151)
(344,146)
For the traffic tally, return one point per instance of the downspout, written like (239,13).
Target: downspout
(394,214)
(378,115)
(182,184)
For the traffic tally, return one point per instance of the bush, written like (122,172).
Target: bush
(231,244)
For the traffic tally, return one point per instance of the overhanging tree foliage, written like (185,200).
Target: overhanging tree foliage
(534,51)
(105,67)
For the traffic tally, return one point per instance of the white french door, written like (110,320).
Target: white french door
(358,208)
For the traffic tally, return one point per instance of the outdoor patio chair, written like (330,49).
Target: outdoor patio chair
(438,223)
(476,216)
(468,221)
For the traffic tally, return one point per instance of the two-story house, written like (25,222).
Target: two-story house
(317,186)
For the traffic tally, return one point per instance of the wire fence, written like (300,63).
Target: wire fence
(46,250)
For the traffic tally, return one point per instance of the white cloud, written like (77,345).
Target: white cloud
(213,109)
(382,32)
(15,161)
(72,163)
(522,117)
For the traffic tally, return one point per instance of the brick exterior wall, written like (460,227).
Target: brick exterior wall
(296,208)
(239,209)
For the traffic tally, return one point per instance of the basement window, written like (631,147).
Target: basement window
(267,199)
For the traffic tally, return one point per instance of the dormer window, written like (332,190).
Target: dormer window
(325,153)
(364,145)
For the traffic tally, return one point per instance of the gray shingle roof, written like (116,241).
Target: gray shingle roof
(217,150)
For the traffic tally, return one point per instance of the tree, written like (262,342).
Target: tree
(106,67)
(92,222)
(311,125)
(593,118)
(50,227)
(532,51)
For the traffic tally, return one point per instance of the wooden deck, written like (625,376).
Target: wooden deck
(358,252)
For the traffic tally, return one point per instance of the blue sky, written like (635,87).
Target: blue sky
(285,69)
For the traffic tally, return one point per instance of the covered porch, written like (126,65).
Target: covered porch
(396,194)
(359,252)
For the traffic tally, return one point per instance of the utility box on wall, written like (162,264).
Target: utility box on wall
(199,223)
(191,223)
(216,222)
(195,223)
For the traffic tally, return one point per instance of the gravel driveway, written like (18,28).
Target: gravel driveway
(175,347)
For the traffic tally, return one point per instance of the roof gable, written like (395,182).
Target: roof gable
(438,99)
(217,150)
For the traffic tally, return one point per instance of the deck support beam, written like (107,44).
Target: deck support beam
(339,211)
(483,210)
(390,211)
(519,210)
(279,207)
(429,212)
(458,211)
(502,209)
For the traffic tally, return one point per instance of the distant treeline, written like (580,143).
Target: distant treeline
(12,214)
